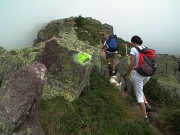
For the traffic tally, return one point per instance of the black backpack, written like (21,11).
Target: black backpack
(148,63)
(112,43)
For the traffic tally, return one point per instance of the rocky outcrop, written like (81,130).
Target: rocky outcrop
(54,27)
(11,61)
(70,54)
(107,29)
(69,62)
(19,102)
(167,76)
(168,65)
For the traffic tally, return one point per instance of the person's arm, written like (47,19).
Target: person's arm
(104,45)
(131,66)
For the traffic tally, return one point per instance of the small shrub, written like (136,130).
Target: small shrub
(79,21)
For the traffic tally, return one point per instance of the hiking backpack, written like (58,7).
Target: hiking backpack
(147,64)
(112,43)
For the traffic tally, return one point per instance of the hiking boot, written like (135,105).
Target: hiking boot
(146,120)
(148,107)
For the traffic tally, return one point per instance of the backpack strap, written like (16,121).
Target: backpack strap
(140,48)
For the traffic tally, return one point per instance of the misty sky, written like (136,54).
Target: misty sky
(157,22)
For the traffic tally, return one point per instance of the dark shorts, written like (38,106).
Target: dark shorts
(111,55)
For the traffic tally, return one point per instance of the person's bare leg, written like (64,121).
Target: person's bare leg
(148,107)
(113,64)
(143,109)
(145,101)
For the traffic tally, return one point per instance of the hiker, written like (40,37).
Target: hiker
(138,80)
(111,54)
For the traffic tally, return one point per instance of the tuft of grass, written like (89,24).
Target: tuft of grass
(100,109)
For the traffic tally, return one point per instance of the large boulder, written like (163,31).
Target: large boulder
(69,62)
(167,76)
(19,100)
(121,70)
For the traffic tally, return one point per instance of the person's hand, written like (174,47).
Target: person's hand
(126,77)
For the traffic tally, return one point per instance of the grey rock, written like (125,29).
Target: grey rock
(19,102)
(67,74)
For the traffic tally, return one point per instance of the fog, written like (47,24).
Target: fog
(157,22)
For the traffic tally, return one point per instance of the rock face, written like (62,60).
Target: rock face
(69,62)
(167,75)
(19,102)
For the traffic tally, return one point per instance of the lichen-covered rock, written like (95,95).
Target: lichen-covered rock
(108,29)
(93,30)
(19,100)
(11,61)
(167,65)
(52,29)
(8,65)
(3,55)
(122,67)
(69,63)
(168,74)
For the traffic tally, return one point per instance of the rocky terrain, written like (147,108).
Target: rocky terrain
(68,53)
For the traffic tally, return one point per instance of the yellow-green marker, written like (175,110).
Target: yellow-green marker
(83,58)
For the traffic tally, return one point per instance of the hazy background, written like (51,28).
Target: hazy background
(157,22)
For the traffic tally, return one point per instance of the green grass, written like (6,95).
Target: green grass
(100,110)
(172,121)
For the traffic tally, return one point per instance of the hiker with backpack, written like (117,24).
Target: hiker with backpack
(111,46)
(144,64)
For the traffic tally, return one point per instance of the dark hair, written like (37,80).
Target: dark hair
(136,39)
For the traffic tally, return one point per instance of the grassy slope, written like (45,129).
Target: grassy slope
(100,110)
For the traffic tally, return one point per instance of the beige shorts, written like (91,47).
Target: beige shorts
(111,55)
